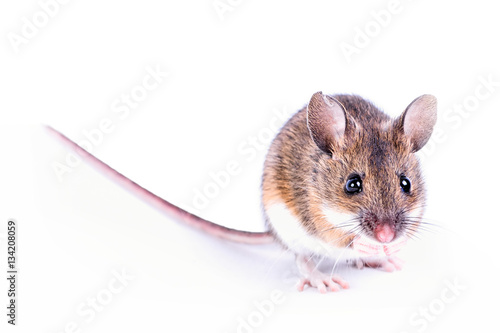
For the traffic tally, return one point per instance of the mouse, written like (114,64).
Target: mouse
(341,181)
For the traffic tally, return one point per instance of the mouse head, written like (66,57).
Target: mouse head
(369,169)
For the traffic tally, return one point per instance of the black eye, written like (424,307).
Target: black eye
(405,184)
(354,185)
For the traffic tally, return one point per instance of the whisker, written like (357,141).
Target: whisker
(341,253)
(425,225)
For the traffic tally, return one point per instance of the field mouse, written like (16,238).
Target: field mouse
(340,181)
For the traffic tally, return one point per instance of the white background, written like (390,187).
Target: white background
(227,74)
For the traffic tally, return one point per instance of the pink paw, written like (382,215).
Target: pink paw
(322,282)
(367,246)
(388,264)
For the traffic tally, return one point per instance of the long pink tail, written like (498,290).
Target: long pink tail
(163,205)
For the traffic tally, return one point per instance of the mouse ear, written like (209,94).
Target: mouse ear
(418,120)
(326,120)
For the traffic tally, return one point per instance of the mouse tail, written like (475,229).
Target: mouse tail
(166,207)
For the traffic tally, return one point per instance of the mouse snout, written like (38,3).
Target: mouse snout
(384,233)
(382,227)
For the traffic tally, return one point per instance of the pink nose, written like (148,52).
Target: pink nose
(384,233)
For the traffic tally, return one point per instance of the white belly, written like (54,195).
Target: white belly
(298,240)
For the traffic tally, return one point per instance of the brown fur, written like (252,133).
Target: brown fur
(304,177)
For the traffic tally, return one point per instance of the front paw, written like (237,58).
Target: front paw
(315,278)
(388,264)
(322,282)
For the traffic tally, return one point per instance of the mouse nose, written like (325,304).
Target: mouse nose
(384,233)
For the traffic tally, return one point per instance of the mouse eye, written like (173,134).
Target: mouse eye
(405,184)
(354,185)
